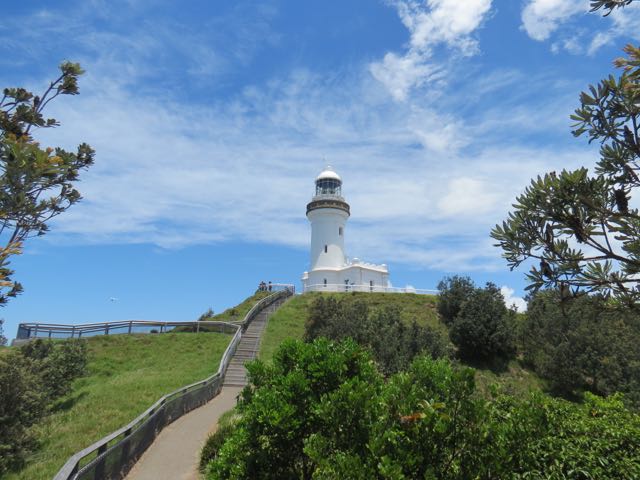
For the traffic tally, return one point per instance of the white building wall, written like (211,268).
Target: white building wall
(326,225)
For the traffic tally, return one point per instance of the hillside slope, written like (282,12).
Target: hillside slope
(289,322)
(126,374)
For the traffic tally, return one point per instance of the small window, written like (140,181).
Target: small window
(340,231)
(325,249)
(325,282)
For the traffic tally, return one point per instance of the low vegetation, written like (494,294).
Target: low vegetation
(32,378)
(392,342)
(323,410)
(290,319)
(586,344)
(360,399)
(125,374)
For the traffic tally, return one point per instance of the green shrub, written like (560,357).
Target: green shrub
(226,426)
(22,403)
(453,292)
(57,363)
(393,343)
(31,379)
(583,344)
(483,328)
(322,411)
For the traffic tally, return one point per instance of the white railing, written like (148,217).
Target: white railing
(342,287)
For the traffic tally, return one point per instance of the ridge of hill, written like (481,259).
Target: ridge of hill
(289,322)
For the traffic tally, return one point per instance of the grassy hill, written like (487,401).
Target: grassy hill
(290,318)
(126,374)
(238,312)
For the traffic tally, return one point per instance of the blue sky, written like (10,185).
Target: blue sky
(211,119)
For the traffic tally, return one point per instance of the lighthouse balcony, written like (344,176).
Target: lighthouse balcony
(328,201)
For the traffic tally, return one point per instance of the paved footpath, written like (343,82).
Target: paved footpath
(175,453)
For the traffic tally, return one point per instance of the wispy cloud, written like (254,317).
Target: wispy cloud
(425,182)
(557,21)
(432,23)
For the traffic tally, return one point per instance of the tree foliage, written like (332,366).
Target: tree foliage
(587,344)
(3,339)
(453,292)
(609,5)
(32,378)
(581,228)
(483,328)
(393,343)
(36,184)
(480,325)
(322,411)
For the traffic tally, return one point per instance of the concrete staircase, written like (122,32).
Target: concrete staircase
(248,347)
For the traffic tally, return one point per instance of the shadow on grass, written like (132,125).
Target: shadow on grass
(68,403)
(496,365)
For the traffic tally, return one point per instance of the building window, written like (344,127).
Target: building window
(371,285)
(325,249)
(325,282)
(340,231)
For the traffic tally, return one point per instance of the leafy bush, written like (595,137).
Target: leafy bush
(21,405)
(206,316)
(279,409)
(453,292)
(393,343)
(587,343)
(323,411)
(226,426)
(483,328)
(31,378)
(56,363)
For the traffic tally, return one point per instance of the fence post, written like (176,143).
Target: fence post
(106,329)
(73,331)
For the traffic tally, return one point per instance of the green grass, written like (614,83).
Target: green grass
(238,312)
(289,320)
(126,375)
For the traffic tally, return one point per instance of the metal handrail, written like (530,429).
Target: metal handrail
(70,468)
(40,330)
(343,287)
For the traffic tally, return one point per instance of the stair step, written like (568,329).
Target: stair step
(247,349)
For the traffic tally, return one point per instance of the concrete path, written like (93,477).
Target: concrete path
(175,453)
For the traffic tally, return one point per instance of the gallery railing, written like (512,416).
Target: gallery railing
(343,287)
(114,455)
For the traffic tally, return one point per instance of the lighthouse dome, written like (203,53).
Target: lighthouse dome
(328,174)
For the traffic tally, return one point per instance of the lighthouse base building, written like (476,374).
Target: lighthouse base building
(331,270)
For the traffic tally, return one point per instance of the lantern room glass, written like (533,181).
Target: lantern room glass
(328,186)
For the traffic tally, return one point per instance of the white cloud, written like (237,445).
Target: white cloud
(540,18)
(424,186)
(430,23)
(510,300)
(555,20)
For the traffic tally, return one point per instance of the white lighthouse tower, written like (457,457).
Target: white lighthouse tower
(330,268)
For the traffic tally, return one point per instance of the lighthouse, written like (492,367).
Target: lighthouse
(330,268)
